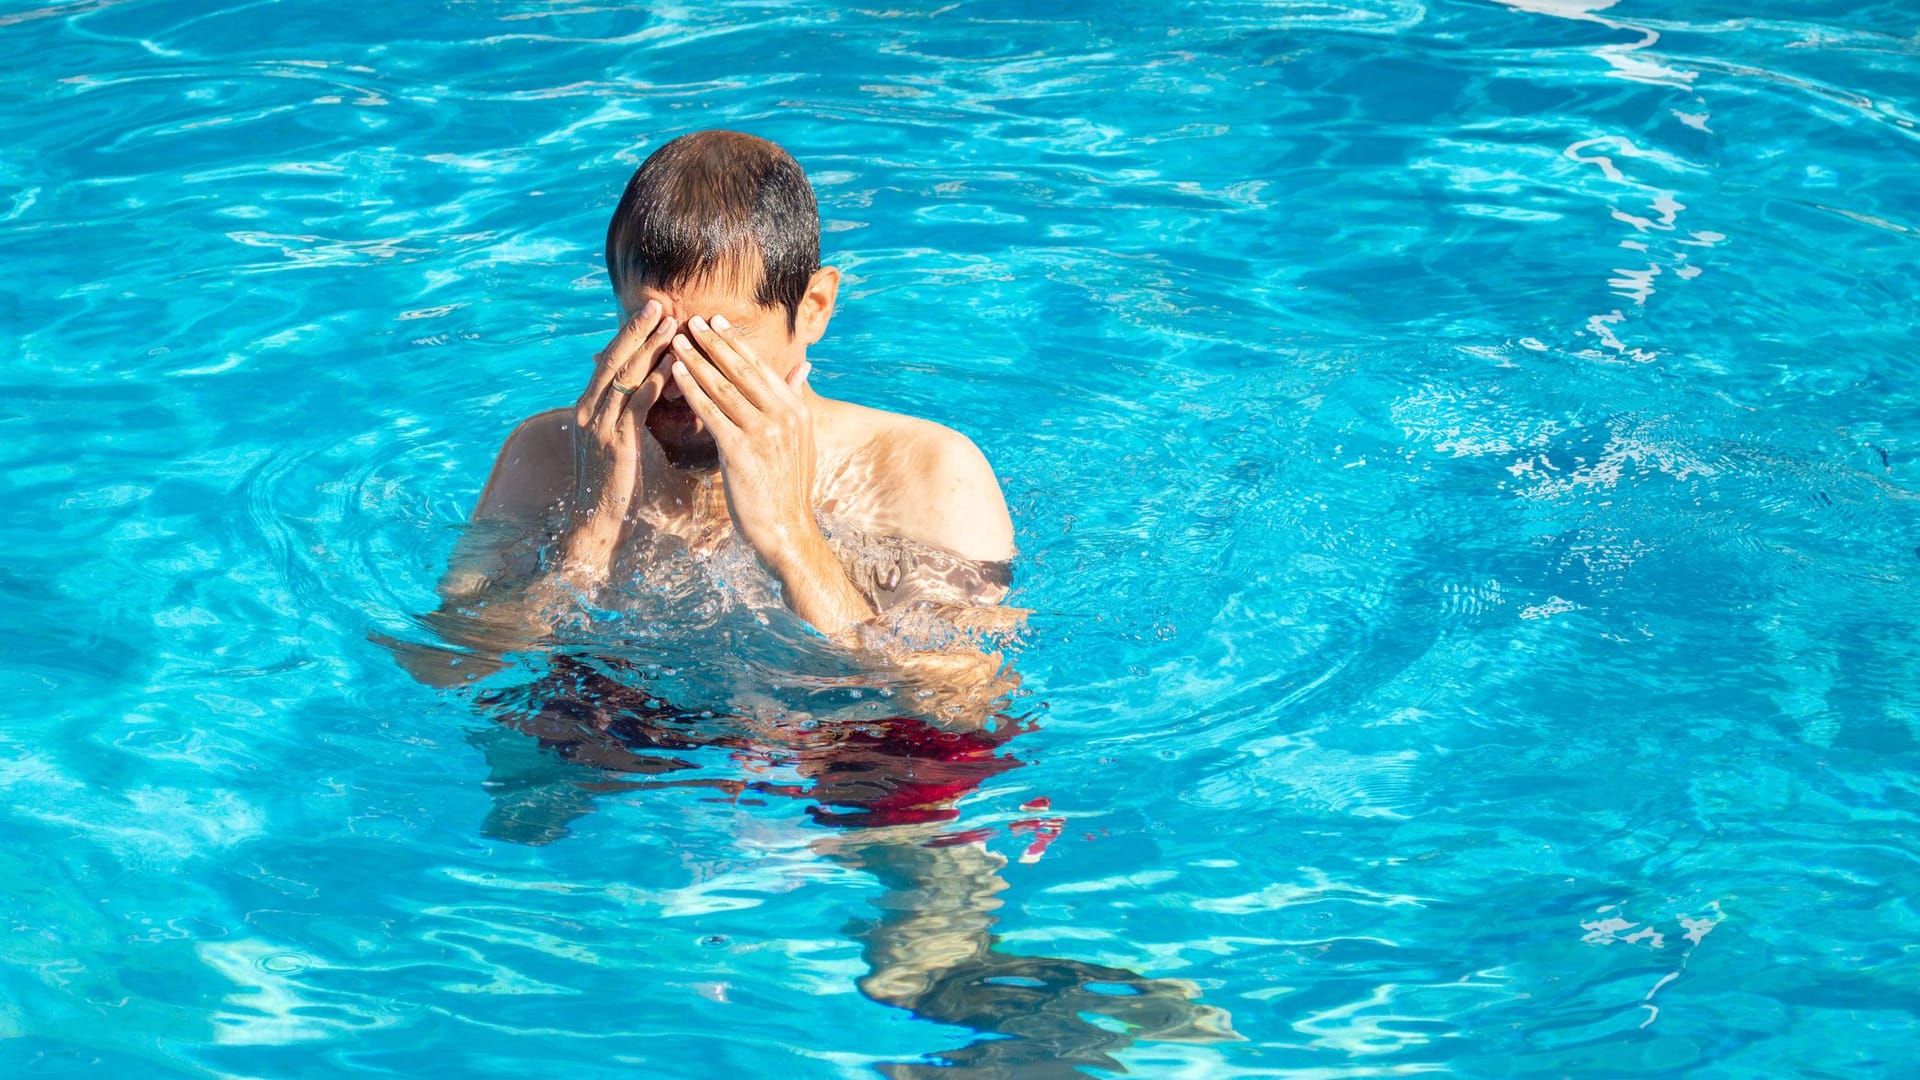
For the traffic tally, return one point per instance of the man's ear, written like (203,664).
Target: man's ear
(816,305)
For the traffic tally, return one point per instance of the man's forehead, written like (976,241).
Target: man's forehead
(698,298)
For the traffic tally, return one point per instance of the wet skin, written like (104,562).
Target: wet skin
(699,421)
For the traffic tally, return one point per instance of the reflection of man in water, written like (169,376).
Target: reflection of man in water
(698,427)
(886,786)
(699,422)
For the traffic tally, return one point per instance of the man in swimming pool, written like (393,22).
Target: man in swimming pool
(698,421)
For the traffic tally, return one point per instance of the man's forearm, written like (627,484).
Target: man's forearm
(817,588)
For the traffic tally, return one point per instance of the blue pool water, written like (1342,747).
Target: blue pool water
(1466,459)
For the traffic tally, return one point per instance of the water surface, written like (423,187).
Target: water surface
(1463,458)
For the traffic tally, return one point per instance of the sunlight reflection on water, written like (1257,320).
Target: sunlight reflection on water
(1460,456)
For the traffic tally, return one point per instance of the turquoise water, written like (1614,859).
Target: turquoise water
(1464,459)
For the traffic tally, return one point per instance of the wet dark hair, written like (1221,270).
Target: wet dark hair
(715,204)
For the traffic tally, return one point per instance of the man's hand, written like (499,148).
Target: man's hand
(762,427)
(764,431)
(606,439)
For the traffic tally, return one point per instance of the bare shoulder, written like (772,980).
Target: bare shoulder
(534,470)
(931,484)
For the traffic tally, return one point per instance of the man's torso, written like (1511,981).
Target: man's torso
(876,475)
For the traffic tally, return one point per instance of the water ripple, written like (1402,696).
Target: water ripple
(1462,461)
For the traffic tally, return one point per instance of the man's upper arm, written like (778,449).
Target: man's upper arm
(530,477)
(960,507)
(533,472)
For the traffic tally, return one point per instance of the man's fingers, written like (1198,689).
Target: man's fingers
(703,407)
(638,363)
(634,333)
(716,340)
(715,386)
(638,374)
(607,365)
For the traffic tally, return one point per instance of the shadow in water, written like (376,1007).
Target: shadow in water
(883,786)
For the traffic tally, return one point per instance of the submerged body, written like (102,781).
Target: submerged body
(884,786)
(698,436)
